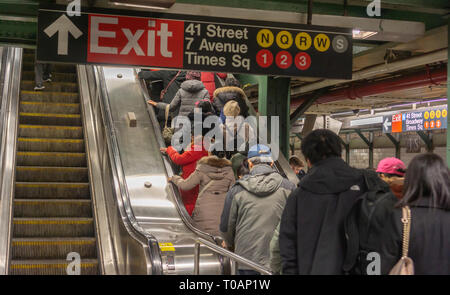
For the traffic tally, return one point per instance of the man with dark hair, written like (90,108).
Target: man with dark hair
(297,166)
(312,239)
(253,209)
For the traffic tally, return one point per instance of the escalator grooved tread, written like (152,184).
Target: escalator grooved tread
(53,209)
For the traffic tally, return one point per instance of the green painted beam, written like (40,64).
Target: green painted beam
(426,138)
(431,20)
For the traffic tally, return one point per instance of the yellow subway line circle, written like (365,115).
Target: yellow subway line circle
(322,42)
(265,38)
(284,39)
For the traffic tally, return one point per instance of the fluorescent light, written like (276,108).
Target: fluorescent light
(358,34)
(148,4)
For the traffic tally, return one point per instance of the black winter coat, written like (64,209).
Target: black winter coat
(429,245)
(312,237)
(223,95)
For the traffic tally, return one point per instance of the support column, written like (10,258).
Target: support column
(396,143)
(274,100)
(369,142)
(347,150)
(428,140)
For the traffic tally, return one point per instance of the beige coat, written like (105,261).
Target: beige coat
(210,201)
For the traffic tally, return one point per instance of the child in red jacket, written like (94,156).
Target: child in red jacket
(188,162)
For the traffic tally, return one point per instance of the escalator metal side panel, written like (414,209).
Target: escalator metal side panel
(154,207)
(9,117)
(107,260)
(122,249)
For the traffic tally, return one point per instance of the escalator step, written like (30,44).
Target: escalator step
(52,190)
(51,159)
(56,77)
(74,132)
(49,107)
(51,87)
(52,248)
(51,267)
(57,68)
(50,145)
(52,208)
(53,227)
(47,96)
(53,174)
(50,119)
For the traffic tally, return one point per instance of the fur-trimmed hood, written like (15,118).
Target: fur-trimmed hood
(215,168)
(214,161)
(231,89)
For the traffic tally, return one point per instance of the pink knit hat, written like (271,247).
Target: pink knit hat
(392,166)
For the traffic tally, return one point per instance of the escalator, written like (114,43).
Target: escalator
(52,206)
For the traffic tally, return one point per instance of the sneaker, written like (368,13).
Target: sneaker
(48,78)
(39,87)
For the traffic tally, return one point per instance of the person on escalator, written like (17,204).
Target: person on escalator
(231,91)
(171,83)
(41,74)
(188,162)
(253,209)
(212,81)
(191,91)
(215,177)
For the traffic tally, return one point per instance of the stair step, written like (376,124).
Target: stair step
(56,77)
(53,227)
(52,248)
(47,131)
(51,87)
(50,119)
(52,190)
(55,68)
(51,174)
(50,144)
(51,159)
(52,208)
(29,56)
(49,96)
(51,267)
(49,107)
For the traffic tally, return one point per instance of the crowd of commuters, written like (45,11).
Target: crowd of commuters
(336,221)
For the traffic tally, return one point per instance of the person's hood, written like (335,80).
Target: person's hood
(192,86)
(227,89)
(262,180)
(331,176)
(215,167)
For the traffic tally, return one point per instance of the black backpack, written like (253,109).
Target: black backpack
(365,223)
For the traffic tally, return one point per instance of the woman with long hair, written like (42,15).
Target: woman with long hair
(427,194)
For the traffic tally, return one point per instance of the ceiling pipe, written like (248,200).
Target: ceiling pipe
(416,80)
(437,56)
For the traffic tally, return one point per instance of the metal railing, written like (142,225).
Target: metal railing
(224,252)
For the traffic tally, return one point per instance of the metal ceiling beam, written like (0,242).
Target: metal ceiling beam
(306,105)
(438,56)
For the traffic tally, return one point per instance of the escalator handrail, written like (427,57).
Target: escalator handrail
(119,177)
(9,125)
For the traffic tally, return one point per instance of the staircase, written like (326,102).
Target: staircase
(52,203)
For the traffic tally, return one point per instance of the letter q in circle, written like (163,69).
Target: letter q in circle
(284,39)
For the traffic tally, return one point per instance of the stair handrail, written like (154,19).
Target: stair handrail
(12,65)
